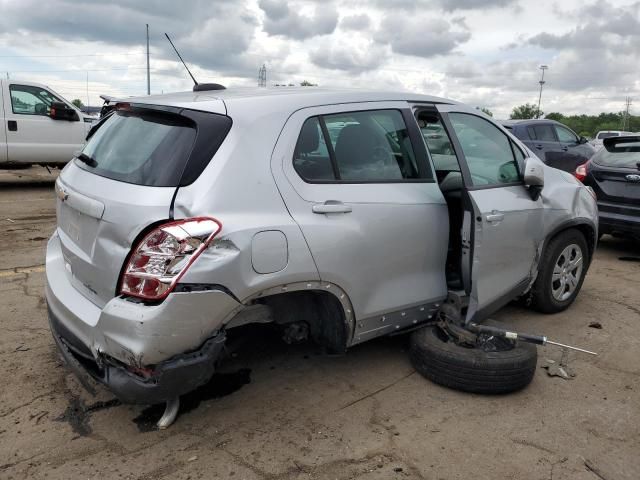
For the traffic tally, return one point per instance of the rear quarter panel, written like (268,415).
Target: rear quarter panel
(237,188)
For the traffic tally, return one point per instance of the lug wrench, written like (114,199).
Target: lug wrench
(525,337)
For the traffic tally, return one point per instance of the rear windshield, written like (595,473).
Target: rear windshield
(607,135)
(622,154)
(155,148)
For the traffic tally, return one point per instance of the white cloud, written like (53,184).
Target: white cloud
(485,52)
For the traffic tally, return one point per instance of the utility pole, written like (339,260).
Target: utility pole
(148,72)
(625,116)
(262,76)
(541,82)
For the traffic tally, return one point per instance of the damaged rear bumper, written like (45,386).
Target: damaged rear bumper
(143,353)
(165,381)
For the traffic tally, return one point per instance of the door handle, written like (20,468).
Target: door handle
(539,147)
(331,206)
(12,125)
(495,216)
(564,149)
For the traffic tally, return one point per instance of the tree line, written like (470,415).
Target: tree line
(583,125)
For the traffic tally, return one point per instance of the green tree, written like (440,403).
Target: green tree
(306,83)
(77,102)
(525,112)
(486,111)
(558,117)
(589,125)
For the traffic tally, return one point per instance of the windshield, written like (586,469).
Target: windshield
(153,148)
(621,154)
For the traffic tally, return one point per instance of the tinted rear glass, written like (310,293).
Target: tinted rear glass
(622,154)
(543,133)
(606,135)
(154,148)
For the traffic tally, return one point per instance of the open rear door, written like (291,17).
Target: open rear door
(502,226)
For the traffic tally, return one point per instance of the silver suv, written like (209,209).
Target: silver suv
(325,211)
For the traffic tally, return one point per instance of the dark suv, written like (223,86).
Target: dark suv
(557,145)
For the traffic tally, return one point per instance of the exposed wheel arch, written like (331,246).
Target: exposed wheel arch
(324,306)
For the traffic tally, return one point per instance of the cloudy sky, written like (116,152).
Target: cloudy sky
(484,52)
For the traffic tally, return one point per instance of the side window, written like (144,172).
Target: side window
(565,135)
(544,133)
(438,142)
(518,153)
(487,150)
(311,158)
(28,100)
(366,146)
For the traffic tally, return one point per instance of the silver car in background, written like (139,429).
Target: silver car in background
(188,215)
(597,142)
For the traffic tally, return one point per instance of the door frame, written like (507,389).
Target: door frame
(470,216)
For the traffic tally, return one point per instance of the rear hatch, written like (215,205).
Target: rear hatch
(616,172)
(124,181)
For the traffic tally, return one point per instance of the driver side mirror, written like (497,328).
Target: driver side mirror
(533,173)
(60,111)
(583,140)
(534,177)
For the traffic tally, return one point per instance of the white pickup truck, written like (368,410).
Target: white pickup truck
(38,125)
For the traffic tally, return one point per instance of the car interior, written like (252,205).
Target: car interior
(367,147)
(449,179)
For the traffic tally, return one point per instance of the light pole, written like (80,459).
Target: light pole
(541,82)
(148,71)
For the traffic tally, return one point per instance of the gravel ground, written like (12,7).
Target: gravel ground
(290,412)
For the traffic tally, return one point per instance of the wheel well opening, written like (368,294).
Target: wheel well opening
(587,232)
(590,236)
(320,310)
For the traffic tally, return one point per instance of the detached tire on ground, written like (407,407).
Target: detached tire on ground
(471,369)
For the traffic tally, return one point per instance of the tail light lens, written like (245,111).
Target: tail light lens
(156,264)
(582,171)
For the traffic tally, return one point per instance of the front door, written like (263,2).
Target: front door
(357,181)
(3,127)
(574,153)
(507,222)
(32,136)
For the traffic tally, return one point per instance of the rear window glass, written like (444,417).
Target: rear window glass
(543,133)
(623,154)
(607,135)
(353,147)
(154,148)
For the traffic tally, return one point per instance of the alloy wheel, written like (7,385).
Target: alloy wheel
(567,272)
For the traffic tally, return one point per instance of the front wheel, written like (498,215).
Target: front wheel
(561,272)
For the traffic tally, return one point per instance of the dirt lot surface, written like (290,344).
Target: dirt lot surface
(291,412)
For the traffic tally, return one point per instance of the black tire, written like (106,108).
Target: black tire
(542,298)
(474,370)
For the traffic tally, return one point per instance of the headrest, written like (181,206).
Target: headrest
(309,140)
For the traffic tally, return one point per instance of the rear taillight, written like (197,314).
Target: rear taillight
(582,171)
(156,264)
